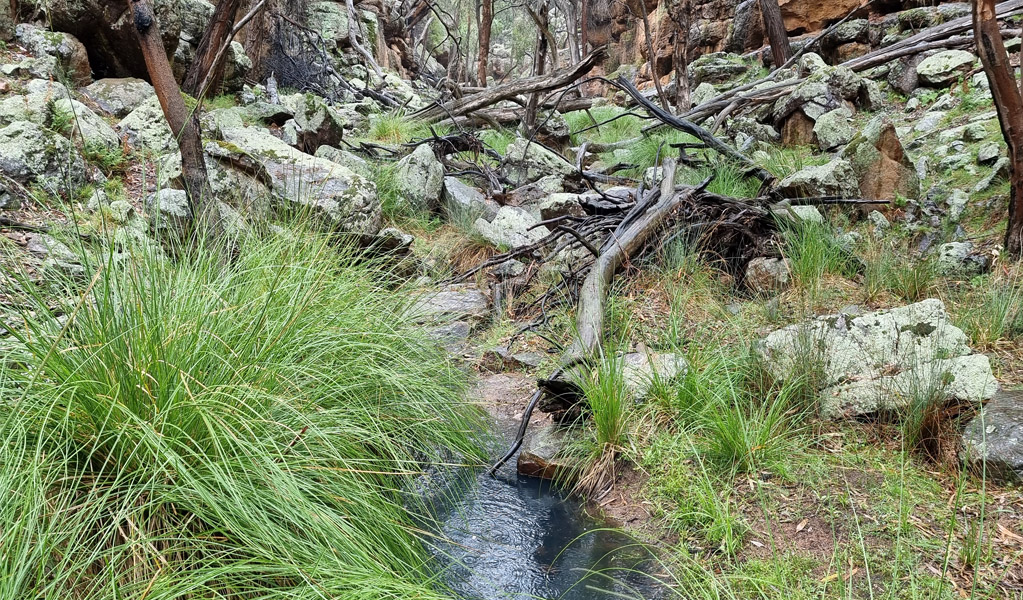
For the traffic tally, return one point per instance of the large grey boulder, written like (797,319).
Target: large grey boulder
(146,128)
(833,129)
(462,201)
(66,50)
(824,90)
(943,68)
(169,213)
(880,362)
(958,259)
(318,123)
(512,228)
(31,154)
(835,178)
(420,178)
(527,161)
(346,159)
(49,106)
(717,67)
(118,96)
(993,440)
(333,196)
(87,126)
(107,30)
(642,369)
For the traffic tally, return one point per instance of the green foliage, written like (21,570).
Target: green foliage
(996,315)
(221,101)
(814,252)
(57,118)
(194,430)
(888,270)
(726,180)
(110,161)
(782,161)
(396,128)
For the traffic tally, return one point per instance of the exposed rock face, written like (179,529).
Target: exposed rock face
(882,167)
(718,67)
(511,228)
(766,275)
(146,128)
(318,123)
(640,370)
(880,361)
(943,68)
(526,162)
(454,303)
(420,178)
(836,178)
(460,200)
(957,259)
(31,154)
(826,89)
(68,52)
(334,196)
(118,96)
(106,29)
(993,440)
(804,16)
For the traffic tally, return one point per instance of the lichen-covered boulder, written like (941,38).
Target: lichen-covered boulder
(347,159)
(824,90)
(420,178)
(880,362)
(107,30)
(882,167)
(68,52)
(118,96)
(332,195)
(835,178)
(958,259)
(526,161)
(462,201)
(146,128)
(993,440)
(319,123)
(512,228)
(765,275)
(833,129)
(642,369)
(943,68)
(717,67)
(31,154)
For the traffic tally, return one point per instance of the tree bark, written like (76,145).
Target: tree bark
(679,14)
(486,24)
(775,27)
(650,57)
(217,33)
(1009,104)
(183,123)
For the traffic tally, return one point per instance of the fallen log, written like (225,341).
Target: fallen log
(499,93)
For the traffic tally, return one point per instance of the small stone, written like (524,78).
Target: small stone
(766,275)
(880,223)
(993,440)
(512,228)
(912,104)
(455,303)
(999,172)
(957,202)
(988,153)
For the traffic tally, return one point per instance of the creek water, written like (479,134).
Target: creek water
(514,537)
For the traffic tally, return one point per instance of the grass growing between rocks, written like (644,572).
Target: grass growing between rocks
(193,430)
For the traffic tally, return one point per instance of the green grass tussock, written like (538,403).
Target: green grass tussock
(193,430)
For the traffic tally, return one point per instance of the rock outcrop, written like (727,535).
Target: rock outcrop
(880,362)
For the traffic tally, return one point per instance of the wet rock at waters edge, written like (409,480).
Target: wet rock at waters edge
(453,303)
(541,454)
(420,178)
(767,275)
(993,440)
(879,362)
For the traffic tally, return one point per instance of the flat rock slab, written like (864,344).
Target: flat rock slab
(540,456)
(995,436)
(880,361)
(455,303)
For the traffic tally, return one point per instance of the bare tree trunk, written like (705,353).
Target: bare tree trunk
(1009,103)
(679,13)
(183,124)
(486,24)
(584,17)
(650,58)
(539,63)
(775,26)
(216,35)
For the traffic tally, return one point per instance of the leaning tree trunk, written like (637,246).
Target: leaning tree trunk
(1009,104)
(781,51)
(678,11)
(183,124)
(206,65)
(486,24)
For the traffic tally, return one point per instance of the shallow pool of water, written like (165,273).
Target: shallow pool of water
(515,537)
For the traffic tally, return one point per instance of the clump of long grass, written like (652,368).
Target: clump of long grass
(192,429)
(996,315)
(813,252)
